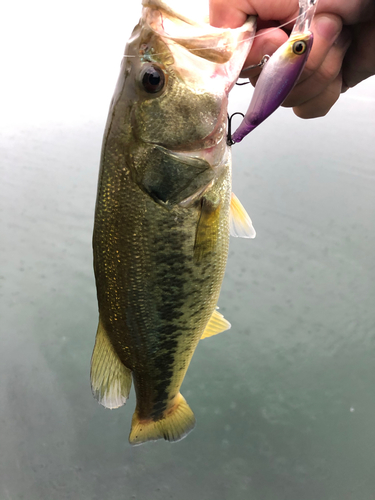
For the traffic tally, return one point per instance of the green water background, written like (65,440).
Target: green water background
(285,400)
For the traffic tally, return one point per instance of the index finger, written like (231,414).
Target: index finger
(233,14)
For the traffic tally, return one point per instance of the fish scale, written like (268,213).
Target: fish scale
(165,287)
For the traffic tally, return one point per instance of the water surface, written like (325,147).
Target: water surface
(284,401)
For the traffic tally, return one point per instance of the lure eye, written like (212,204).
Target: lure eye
(153,79)
(299,47)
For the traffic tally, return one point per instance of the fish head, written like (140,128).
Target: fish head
(176,76)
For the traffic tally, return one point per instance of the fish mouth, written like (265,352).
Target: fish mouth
(213,149)
(219,132)
(212,145)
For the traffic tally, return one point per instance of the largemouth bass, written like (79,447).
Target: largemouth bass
(162,217)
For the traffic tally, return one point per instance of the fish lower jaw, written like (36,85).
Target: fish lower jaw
(213,149)
(216,137)
(215,154)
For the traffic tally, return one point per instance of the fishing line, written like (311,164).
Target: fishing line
(257,35)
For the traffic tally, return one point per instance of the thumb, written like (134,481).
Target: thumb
(232,14)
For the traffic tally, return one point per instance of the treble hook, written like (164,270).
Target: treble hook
(229,135)
(262,62)
(259,65)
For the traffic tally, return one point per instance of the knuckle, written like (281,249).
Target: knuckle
(328,71)
(320,105)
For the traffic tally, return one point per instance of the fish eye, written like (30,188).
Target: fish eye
(299,47)
(152,79)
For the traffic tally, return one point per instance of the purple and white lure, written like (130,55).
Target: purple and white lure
(280,72)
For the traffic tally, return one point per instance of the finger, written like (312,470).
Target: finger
(359,63)
(353,12)
(233,14)
(265,42)
(321,104)
(316,84)
(326,29)
(224,14)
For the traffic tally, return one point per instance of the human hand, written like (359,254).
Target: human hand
(343,52)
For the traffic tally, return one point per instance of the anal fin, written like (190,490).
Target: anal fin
(240,225)
(216,324)
(175,424)
(110,378)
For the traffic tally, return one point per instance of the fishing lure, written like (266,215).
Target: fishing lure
(280,72)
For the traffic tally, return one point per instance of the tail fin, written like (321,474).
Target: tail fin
(177,422)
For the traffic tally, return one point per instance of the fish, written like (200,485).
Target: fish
(280,72)
(164,213)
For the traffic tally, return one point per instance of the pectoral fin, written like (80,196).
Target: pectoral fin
(216,324)
(208,226)
(110,378)
(240,225)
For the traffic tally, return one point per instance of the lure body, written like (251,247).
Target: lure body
(280,73)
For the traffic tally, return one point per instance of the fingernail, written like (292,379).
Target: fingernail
(328,27)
